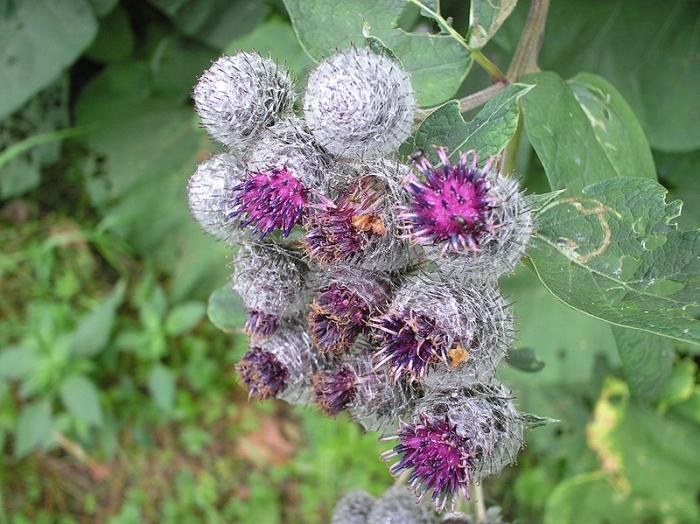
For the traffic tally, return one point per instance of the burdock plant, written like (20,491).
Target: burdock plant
(369,283)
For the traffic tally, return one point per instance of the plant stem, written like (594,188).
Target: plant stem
(525,57)
(480,507)
(480,97)
(492,69)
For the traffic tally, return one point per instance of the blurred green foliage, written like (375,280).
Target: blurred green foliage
(118,401)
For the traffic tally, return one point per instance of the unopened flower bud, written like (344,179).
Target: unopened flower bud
(359,104)
(240,95)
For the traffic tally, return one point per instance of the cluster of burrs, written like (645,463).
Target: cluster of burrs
(370,285)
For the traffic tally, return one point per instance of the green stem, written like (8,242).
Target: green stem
(525,56)
(38,140)
(492,69)
(480,507)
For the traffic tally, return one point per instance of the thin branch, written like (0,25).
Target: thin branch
(492,69)
(480,507)
(479,98)
(525,57)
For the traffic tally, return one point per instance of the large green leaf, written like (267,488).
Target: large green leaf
(650,456)
(485,18)
(679,173)
(34,428)
(81,398)
(214,22)
(437,63)
(487,134)
(226,310)
(151,145)
(646,48)
(615,253)
(583,131)
(38,40)
(647,360)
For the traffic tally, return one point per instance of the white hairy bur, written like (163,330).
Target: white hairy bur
(359,104)
(353,508)
(241,94)
(210,195)
(270,278)
(398,506)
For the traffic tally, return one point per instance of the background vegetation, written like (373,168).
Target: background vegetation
(118,401)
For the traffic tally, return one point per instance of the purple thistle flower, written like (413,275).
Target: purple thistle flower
(269,201)
(260,324)
(334,389)
(437,458)
(342,308)
(411,343)
(338,231)
(262,373)
(451,205)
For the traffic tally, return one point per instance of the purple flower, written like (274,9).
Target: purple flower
(410,343)
(262,373)
(269,201)
(337,231)
(260,324)
(334,389)
(451,205)
(437,458)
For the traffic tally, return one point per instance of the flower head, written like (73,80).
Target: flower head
(359,104)
(436,456)
(262,373)
(209,193)
(338,231)
(451,206)
(240,95)
(411,343)
(340,311)
(271,280)
(334,389)
(260,324)
(280,365)
(269,201)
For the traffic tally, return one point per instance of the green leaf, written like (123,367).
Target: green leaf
(614,252)
(680,385)
(275,38)
(102,7)
(34,428)
(183,317)
(161,385)
(589,498)
(485,18)
(584,132)
(226,310)
(438,64)
(81,398)
(647,360)
(679,173)
(93,331)
(650,456)
(39,39)
(524,359)
(647,49)
(487,134)
(16,362)
(214,22)
(115,39)
(151,145)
